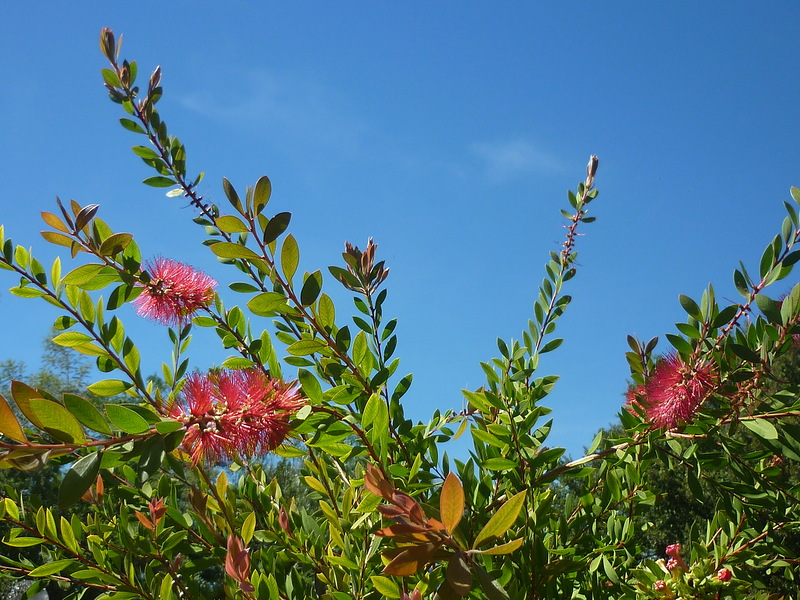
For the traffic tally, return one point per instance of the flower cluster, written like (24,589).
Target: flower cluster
(228,414)
(174,292)
(674,391)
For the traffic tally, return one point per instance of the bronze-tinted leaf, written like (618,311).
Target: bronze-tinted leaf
(9,425)
(451,502)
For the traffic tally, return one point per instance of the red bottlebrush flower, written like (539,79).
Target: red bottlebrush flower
(724,575)
(234,413)
(674,391)
(175,291)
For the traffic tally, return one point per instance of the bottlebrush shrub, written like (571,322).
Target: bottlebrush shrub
(166,495)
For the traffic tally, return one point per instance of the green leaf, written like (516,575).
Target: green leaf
(502,520)
(78,479)
(131,125)
(267,304)
(86,413)
(115,244)
(231,250)
(126,419)
(506,548)
(375,419)
(159,181)
(290,257)
(248,528)
(276,226)
(310,385)
(745,353)
(57,421)
(230,192)
(262,193)
(71,339)
(491,587)
(145,152)
(237,362)
(499,464)
(83,274)
(690,306)
(231,224)
(385,586)
(312,287)
(770,308)
(51,568)
(109,387)
(762,428)
(680,344)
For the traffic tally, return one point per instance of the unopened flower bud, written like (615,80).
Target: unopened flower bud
(591,170)
(724,575)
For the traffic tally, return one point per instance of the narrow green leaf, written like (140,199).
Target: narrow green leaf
(159,181)
(51,568)
(70,339)
(109,387)
(499,463)
(290,257)
(232,250)
(502,520)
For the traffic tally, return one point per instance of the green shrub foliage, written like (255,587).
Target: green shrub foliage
(172,492)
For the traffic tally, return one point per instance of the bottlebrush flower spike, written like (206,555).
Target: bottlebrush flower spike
(674,392)
(174,292)
(228,414)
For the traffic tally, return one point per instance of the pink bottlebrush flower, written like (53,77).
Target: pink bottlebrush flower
(175,291)
(675,558)
(724,575)
(234,413)
(674,391)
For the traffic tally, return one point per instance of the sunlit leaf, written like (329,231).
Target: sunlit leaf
(502,520)
(451,502)
(57,421)
(9,425)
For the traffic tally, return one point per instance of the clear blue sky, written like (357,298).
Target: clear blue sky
(449,131)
